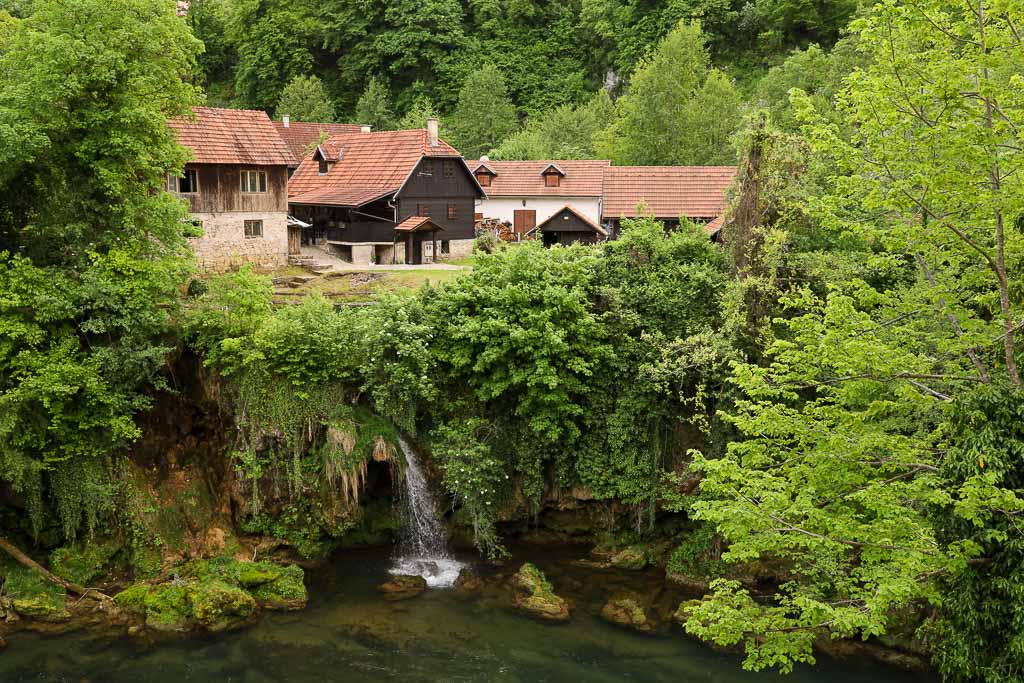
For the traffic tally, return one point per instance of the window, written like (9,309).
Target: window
(451,212)
(449,169)
(254,181)
(188,183)
(253,229)
(484,179)
(423,210)
(445,248)
(427,168)
(551,179)
(323,167)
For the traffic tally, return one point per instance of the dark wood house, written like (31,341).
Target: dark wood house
(236,185)
(361,189)
(570,226)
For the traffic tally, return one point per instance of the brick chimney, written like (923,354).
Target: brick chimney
(286,120)
(432,131)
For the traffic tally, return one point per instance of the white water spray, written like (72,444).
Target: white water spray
(423,549)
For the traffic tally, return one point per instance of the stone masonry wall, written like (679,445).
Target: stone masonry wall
(224,245)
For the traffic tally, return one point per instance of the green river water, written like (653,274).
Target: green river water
(349,633)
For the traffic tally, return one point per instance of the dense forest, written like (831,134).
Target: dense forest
(525,79)
(818,417)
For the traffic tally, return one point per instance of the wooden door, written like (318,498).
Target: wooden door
(524,220)
(294,240)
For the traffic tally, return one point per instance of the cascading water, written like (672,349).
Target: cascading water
(423,549)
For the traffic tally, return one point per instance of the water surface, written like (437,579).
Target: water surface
(349,633)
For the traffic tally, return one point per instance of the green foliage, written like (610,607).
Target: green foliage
(31,594)
(566,132)
(92,254)
(304,99)
(374,106)
(678,111)
(485,114)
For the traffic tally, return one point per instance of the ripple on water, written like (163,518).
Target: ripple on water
(439,572)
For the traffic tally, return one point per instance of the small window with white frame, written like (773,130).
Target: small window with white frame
(254,181)
(187,183)
(253,229)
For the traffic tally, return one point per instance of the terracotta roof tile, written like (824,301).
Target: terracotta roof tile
(416,223)
(667,191)
(301,136)
(370,165)
(524,179)
(231,136)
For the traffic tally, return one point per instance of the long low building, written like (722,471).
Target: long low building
(668,193)
(586,201)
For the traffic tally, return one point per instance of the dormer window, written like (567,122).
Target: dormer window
(323,167)
(484,179)
(552,175)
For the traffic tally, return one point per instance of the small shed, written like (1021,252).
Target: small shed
(414,232)
(570,226)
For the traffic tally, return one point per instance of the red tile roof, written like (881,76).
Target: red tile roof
(301,137)
(370,165)
(417,223)
(715,225)
(525,179)
(231,136)
(667,191)
(579,214)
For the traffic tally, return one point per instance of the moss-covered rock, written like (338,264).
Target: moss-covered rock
(252,574)
(218,606)
(286,592)
(133,598)
(535,596)
(632,558)
(168,608)
(32,595)
(84,563)
(627,609)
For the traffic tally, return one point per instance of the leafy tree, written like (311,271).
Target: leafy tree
(272,39)
(855,472)
(208,20)
(485,114)
(374,107)
(678,111)
(92,253)
(566,132)
(304,99)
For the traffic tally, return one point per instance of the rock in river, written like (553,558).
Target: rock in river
(535,596)
(403,587)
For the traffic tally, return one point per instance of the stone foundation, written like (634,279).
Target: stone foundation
(225,247)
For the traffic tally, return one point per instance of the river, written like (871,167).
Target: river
(350,633)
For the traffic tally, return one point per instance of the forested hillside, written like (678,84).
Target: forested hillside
(391,64)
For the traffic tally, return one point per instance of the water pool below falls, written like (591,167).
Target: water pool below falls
(350,633)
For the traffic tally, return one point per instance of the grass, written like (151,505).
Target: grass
(362,286)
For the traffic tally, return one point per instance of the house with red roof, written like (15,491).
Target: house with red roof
(401,196)
(667,193)
(236,185)
(525,194)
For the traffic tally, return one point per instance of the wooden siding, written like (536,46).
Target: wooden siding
(435,191)
(565,227)
(220,189)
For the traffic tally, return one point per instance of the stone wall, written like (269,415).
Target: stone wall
(224,245)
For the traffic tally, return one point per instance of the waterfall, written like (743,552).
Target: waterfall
(423,548)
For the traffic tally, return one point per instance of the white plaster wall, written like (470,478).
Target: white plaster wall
(503,208)
(224,245)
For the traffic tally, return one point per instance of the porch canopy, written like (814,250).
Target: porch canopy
(414,231)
